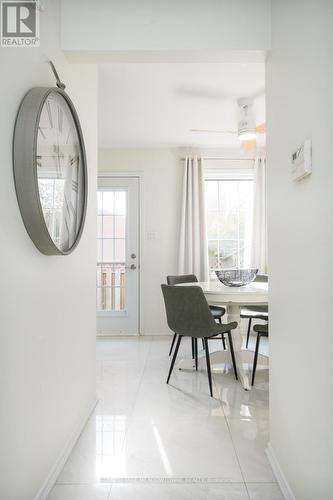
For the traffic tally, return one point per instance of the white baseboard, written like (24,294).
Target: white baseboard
(116,333)
(64,454)
(157,332)
(279,474)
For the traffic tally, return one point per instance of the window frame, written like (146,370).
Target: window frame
(122,288)
(228,170)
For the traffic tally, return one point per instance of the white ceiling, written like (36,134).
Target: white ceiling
(148,105)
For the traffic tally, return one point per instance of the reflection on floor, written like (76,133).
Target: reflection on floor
(150,441)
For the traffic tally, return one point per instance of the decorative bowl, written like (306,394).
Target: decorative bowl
(236,277)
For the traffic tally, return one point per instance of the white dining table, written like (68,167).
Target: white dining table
(234,298)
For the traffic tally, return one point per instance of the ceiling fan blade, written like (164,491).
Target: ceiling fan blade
(249,145)
(202,92)
(207,92)
(214,131)
(261,128)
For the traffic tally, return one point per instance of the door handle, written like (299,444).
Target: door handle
(132,267)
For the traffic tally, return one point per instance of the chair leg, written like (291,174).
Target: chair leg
(203,344)
(254,368)
(174,357)
(231,346)
(172,343)
(248,333)
(223,342)
(208,367)
(196,354)
(193,348)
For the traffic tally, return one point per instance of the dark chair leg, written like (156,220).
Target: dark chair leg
(223,343)
(173,343)
(255,358)
(231,346)
(248,333)
(174,357)
(208,368)
(193,348)
(196,354)
(203,344)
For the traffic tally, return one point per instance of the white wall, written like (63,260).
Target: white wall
(299,106)
(47,319)
(174,25)
(162,174)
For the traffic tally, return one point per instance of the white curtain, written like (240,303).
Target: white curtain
(193,252)
(259,244)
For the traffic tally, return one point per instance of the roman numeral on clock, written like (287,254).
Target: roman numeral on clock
(75,186)
(49,113)
(41,133)
(73,160)
(60,119)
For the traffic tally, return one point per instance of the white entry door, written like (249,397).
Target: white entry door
(118,255)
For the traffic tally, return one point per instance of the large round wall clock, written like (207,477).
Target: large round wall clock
(50,169)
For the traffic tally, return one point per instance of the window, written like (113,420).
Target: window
(229,212)
(111,250)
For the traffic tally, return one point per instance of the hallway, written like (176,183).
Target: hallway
(148,441)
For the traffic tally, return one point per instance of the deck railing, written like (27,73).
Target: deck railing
(111,286)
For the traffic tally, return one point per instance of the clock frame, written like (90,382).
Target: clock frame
(25,170)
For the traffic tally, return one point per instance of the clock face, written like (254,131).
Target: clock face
(60,171)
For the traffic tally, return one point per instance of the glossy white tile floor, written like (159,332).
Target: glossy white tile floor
(150,441)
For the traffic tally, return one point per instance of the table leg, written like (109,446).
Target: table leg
(234,311)
(221,357)
(243,356)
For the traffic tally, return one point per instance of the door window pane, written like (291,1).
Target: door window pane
(111,250)
(99,202)
(120,250)
(99,299)
(119,226)
(99,226)
(108,202)
(99,250)
(108,226)
(120,203)
(108,254)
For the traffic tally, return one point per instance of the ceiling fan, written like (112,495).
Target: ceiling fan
(247,129)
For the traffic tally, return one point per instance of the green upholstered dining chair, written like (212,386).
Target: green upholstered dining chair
(261,331)
(251,312)
(188,315)
(217,311)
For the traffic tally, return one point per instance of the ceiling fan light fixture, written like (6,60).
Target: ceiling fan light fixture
(247,135)
(246,124)
(246,129)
